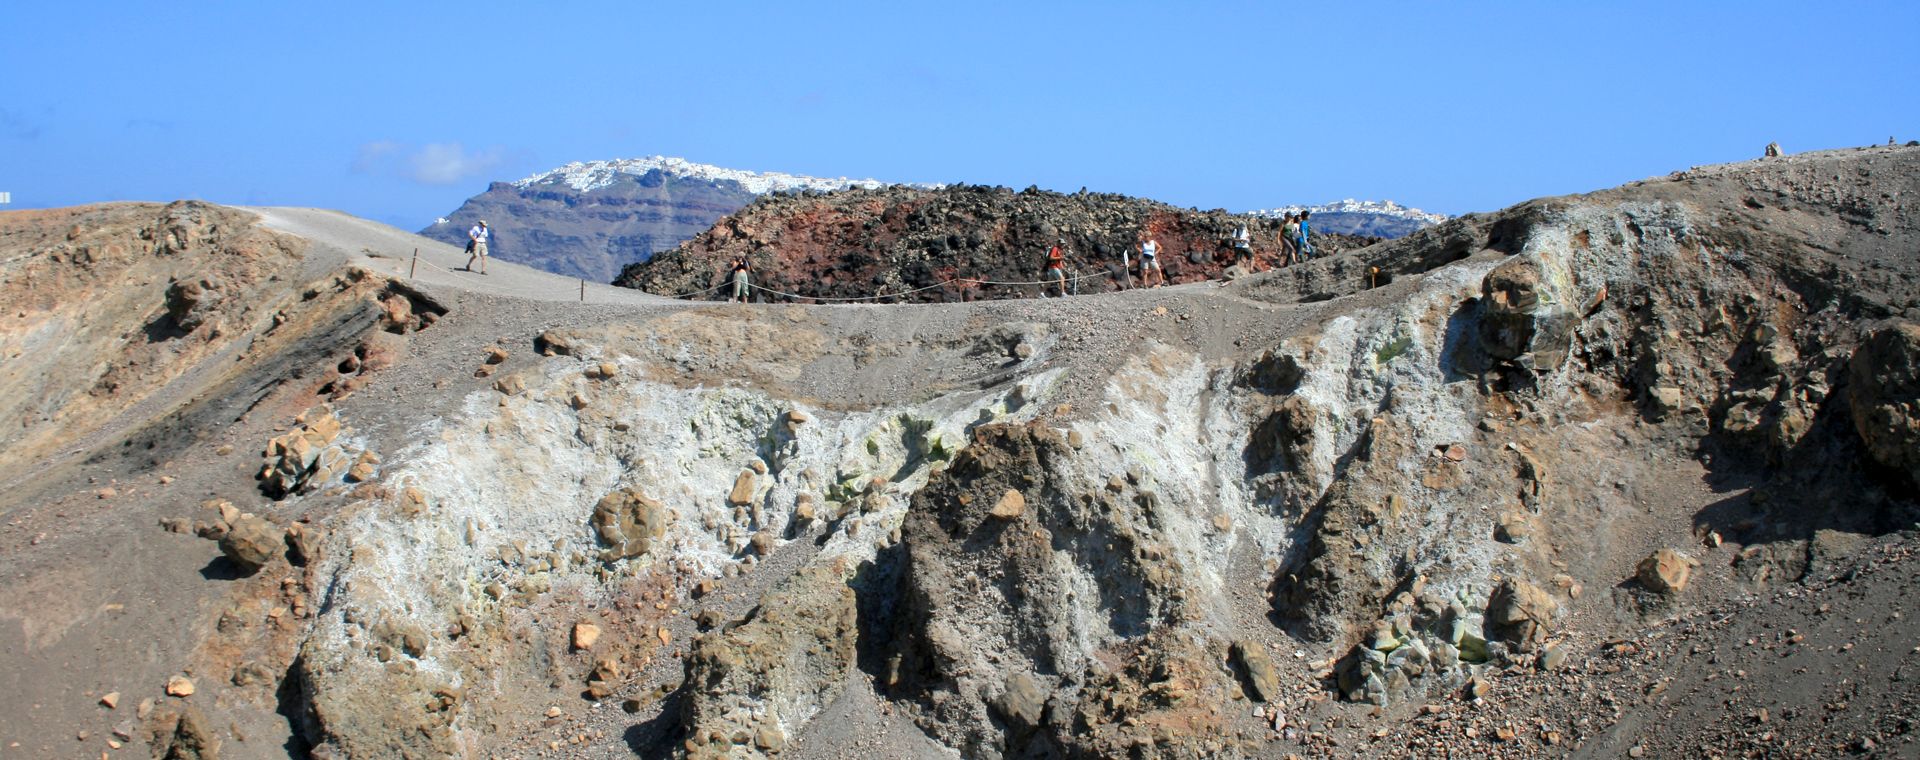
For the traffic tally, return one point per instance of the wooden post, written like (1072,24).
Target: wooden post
(583,290)
(415,265)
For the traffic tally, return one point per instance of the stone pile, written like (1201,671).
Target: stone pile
(308,456)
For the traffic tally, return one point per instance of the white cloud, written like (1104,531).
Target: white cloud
(448,163)
(374,156)
(430,164)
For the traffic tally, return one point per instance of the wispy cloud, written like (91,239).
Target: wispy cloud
(374,156)
(447,163)
(15,125)
(430,164)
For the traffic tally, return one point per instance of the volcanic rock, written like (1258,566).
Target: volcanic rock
(251,542)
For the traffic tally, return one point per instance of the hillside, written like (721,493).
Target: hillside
(1624,474)
(922,242)
(590,219)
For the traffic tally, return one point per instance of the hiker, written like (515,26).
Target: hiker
(1303,241)
(1289,240)
(1056,268)
(740,286)
(1126,267)
(477,246)
(1243,247)
(1150,262)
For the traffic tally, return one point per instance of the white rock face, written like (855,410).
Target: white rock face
(510,485)
(1351,206)
(587,176)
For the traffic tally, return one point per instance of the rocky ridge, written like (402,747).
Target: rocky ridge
(921,245)
(589,219)
(1621,474)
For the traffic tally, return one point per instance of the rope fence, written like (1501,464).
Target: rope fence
(502,286)
(911,291)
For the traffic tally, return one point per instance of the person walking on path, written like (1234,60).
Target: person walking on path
(1289,253)
(740,285)
(1303,241)
(477,246)
(1150,263)
(1056,270)
(1242,246)
(1126,267)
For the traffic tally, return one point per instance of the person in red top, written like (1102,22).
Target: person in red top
(1056,268)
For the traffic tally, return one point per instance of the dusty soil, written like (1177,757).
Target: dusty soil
(1799,606)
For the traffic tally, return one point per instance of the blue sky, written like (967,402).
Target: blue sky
(400,111)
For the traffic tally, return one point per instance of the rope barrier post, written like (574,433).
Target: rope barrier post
(583,290)
(415,266)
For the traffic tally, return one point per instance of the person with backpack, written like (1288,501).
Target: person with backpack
(740,285)
(477,246)
(1056,270)
(1242,246)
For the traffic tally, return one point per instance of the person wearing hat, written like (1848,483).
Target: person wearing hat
(477,246)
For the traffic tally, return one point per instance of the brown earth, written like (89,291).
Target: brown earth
(1390,503)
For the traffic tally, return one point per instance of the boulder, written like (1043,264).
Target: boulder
(1523,314)
(1513,528)
(763,543)
(1022,702)
(192,303)
(381,350)
(585,635)
(252,542)
(627,521)
(1520,613)
(1011,506)
(303,543)
(182,733)
(1259,670)
(742,493)
(1885,388)
(777,669)
(1665,571)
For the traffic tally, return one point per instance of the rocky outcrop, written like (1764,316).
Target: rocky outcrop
(1009,612)
(755,684)
(107,305)
(1885,382)
(306,456)
(893,240)
(182,732)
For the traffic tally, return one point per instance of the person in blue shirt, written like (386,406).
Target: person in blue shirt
(1303,243)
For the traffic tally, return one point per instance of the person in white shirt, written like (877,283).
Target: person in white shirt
(1150,262)
(477,246)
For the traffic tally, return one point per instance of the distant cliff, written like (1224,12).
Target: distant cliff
(590,219)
